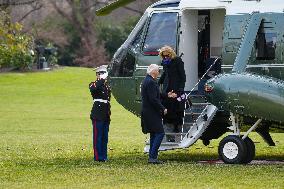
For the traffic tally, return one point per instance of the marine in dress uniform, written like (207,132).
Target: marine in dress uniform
(100,113)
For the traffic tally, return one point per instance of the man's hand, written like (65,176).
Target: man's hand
(165,111)
(171,94)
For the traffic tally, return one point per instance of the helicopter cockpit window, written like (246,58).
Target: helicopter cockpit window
(162,30)
(128,62)
(265,46)
(127,66)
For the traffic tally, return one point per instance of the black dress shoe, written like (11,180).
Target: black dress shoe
(101,160)
(155,161)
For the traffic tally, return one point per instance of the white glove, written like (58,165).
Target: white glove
(104,76)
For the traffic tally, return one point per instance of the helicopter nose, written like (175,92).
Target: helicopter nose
(210,85)
(215,91)
(209,89)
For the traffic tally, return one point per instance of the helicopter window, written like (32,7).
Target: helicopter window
(126,67)
(162,31)
(265,46)
(137,38)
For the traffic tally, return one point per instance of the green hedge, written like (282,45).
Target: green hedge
(15,47)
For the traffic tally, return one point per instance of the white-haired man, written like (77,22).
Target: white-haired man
(152,110)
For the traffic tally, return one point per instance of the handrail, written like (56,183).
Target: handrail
(187,95)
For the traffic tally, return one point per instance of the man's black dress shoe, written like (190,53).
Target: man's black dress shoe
(155,161)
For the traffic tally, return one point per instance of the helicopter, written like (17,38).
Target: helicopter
(233,54)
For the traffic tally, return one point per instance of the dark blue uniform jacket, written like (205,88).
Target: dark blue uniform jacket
(100,90)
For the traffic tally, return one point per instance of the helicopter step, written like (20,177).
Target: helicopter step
(196,120)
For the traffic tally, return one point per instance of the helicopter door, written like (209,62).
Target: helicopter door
(161,29)
(201,42)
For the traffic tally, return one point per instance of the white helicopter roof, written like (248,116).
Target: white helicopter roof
(235,6)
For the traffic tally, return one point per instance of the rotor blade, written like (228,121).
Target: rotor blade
(112,6)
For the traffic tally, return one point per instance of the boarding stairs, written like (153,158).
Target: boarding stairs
(196,119)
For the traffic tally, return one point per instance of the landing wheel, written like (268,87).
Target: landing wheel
(250,150)
(232,150)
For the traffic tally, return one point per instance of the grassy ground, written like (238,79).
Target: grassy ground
(46,142)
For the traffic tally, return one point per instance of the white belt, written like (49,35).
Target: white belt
(101,100)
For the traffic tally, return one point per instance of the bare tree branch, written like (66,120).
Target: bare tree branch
(72,17)
(15,2)
(35,7)
(134,10)
(82,18)
(60,11)
(96,3)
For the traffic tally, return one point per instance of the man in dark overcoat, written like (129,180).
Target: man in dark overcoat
(100,113)
(152,111)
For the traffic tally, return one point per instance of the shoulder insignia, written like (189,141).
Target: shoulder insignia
(92,84)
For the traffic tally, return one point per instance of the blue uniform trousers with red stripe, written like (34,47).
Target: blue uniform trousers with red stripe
(100,139)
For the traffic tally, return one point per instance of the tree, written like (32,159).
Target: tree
(112,36)
(31,6)
(81,16)
(15,47)
(70,26)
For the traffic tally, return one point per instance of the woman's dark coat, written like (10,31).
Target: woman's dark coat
(173,79)
(152,109)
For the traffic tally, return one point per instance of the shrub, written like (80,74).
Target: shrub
(15,47)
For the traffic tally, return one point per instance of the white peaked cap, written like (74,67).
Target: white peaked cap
(102,68)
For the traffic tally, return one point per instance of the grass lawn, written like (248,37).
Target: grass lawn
(46,142)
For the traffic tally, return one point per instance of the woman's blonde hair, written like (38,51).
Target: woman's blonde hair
(168,50)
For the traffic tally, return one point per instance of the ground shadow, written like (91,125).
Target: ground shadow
(130,159)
